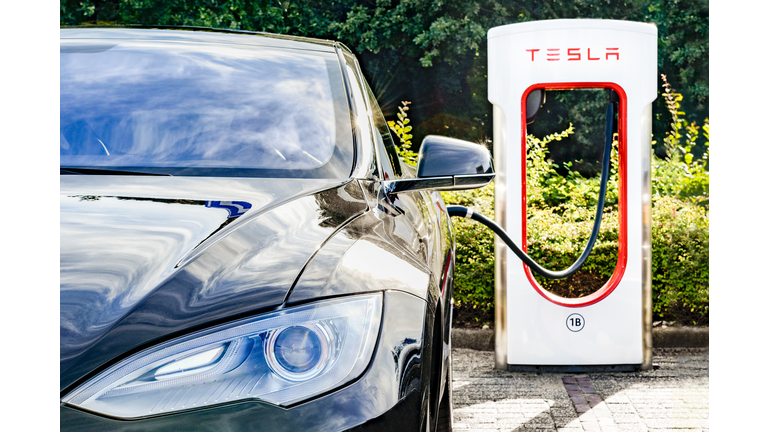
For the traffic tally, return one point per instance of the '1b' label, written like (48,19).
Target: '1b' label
(574,322)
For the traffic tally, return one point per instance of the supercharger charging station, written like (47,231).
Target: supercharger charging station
(611,328)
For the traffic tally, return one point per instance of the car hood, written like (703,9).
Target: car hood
(144,259)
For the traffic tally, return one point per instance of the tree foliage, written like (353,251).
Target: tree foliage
(433,53)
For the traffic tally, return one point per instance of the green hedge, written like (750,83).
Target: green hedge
(679,241)
(474,276)
(680,251)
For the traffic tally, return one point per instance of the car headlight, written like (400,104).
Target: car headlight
(282,357)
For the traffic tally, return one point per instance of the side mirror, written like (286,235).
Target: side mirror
(533,102)
(447,164)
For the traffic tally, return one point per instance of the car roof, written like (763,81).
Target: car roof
(200,35)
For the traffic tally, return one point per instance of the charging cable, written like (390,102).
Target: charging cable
(461,211)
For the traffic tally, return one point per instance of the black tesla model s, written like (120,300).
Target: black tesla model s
(241,247)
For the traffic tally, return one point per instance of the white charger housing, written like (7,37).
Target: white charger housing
(611,328)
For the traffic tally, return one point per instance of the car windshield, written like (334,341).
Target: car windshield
(185,108)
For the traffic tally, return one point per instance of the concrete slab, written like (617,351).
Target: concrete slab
(673,397)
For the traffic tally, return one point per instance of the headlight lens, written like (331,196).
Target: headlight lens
(298,353)
(282,357)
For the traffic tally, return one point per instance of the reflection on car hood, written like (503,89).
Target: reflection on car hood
(147,258)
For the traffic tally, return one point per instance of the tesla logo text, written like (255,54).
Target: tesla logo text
(574,54)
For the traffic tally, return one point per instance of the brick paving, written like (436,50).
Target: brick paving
(675,397)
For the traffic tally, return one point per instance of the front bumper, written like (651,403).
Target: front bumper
(387,395)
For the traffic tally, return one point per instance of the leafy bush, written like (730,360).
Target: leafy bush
(680,261)
(473,284)
(561,211)
(401,129)
(691,175)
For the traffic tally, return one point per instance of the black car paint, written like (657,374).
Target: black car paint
(127,279)
(206,268)
(391,385)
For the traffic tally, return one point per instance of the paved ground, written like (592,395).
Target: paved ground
(675,397)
